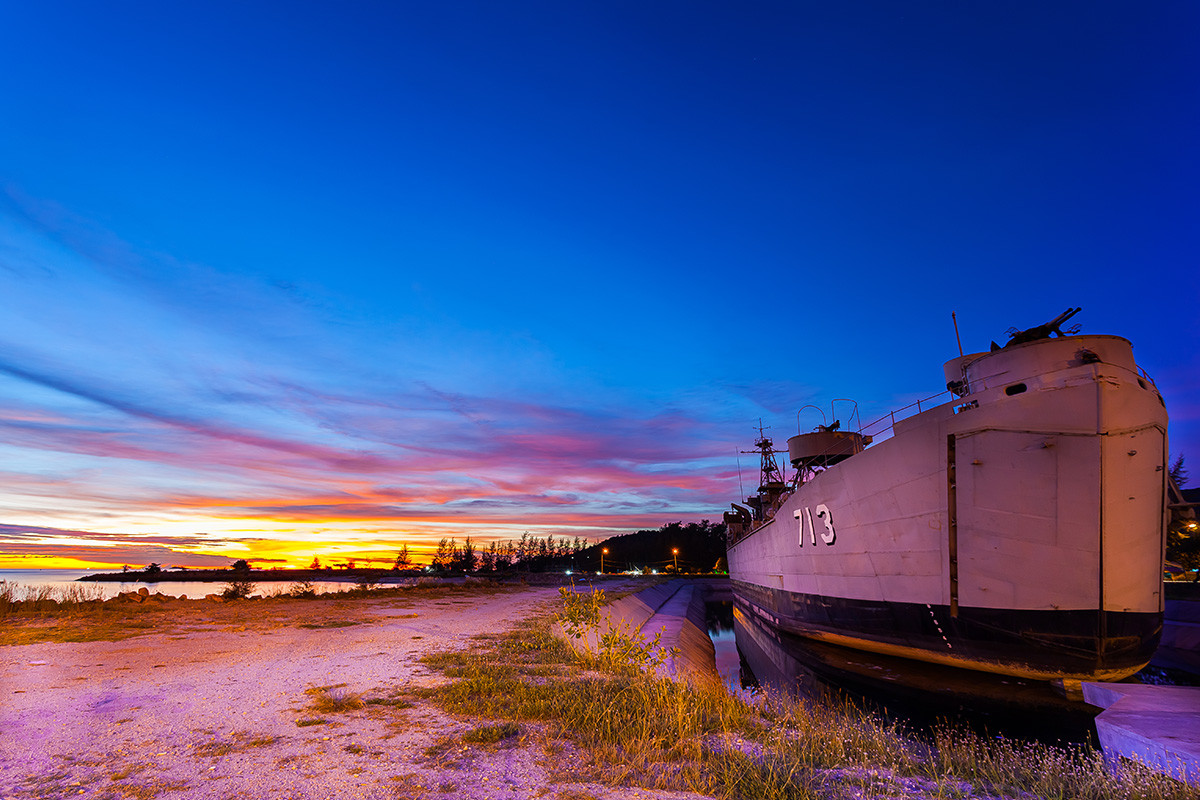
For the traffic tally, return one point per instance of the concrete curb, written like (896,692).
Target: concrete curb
(1156,725)
(675,612)
(685,630)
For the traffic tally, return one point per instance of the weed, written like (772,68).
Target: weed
(611,644)
(631,728)
(365,583)
(394,702)
(239,742)
(49,785)
(238,589)
(122,774)
(70,600)
(443,749)
(408,785)
(333,699)
(490,734)
(301,589)
(148,790)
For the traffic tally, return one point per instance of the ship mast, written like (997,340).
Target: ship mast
(769,471)
(772,483)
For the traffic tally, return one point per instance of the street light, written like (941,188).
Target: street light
(675,555)
(603,553)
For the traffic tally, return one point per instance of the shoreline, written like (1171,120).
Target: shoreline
(224,701)
(226,575)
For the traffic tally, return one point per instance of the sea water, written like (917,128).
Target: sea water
(56,579)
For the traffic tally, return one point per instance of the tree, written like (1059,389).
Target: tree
(487,558)
(1183,534)
(464,557)
(316,563)
(153,569)
(403,560)
(241,566)
(524,551)
(443,558)
(701,545)
(1178,473)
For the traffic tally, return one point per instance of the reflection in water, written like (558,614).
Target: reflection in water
(749,654)
(734,672)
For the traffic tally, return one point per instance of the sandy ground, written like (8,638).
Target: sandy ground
(210,709)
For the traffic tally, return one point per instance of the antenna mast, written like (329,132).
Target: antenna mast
(770,471)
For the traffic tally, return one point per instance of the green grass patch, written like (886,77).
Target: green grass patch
(491,734)
(627,728)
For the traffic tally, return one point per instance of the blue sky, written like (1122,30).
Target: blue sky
(292,278)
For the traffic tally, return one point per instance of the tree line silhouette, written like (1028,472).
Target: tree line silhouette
(700,546)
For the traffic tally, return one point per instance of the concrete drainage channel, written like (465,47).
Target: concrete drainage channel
(676,611)
(1157,725)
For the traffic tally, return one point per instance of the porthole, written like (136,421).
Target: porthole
(1016,388)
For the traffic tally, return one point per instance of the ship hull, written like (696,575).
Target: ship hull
(1016,532)
(1038,645)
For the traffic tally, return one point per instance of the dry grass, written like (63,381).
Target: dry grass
(113,784)
(632,729)
(409,785)
(74,613)
(333,699)
(304,723)
(147,790)
(238,743)
(492,734)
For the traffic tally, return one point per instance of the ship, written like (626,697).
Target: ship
(1013,524)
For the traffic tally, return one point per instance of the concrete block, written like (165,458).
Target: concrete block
(1157,725)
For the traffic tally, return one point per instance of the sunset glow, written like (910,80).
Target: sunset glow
(374,279)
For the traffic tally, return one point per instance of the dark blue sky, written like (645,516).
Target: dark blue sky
(589,244)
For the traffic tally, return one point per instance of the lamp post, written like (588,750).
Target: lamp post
(603,553)
(675,555)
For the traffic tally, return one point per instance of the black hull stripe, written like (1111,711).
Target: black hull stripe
(1065,644)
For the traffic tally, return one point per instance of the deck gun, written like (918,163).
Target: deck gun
(1042,331)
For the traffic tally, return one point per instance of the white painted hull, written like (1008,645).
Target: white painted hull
(1014,531)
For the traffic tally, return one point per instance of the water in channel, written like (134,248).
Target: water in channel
(920,695)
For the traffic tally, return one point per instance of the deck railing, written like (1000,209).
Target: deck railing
(882,427)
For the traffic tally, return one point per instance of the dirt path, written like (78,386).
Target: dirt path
(210,709)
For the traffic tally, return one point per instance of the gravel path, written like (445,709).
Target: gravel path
(210,709)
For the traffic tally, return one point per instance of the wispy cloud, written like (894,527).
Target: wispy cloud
(227,423)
